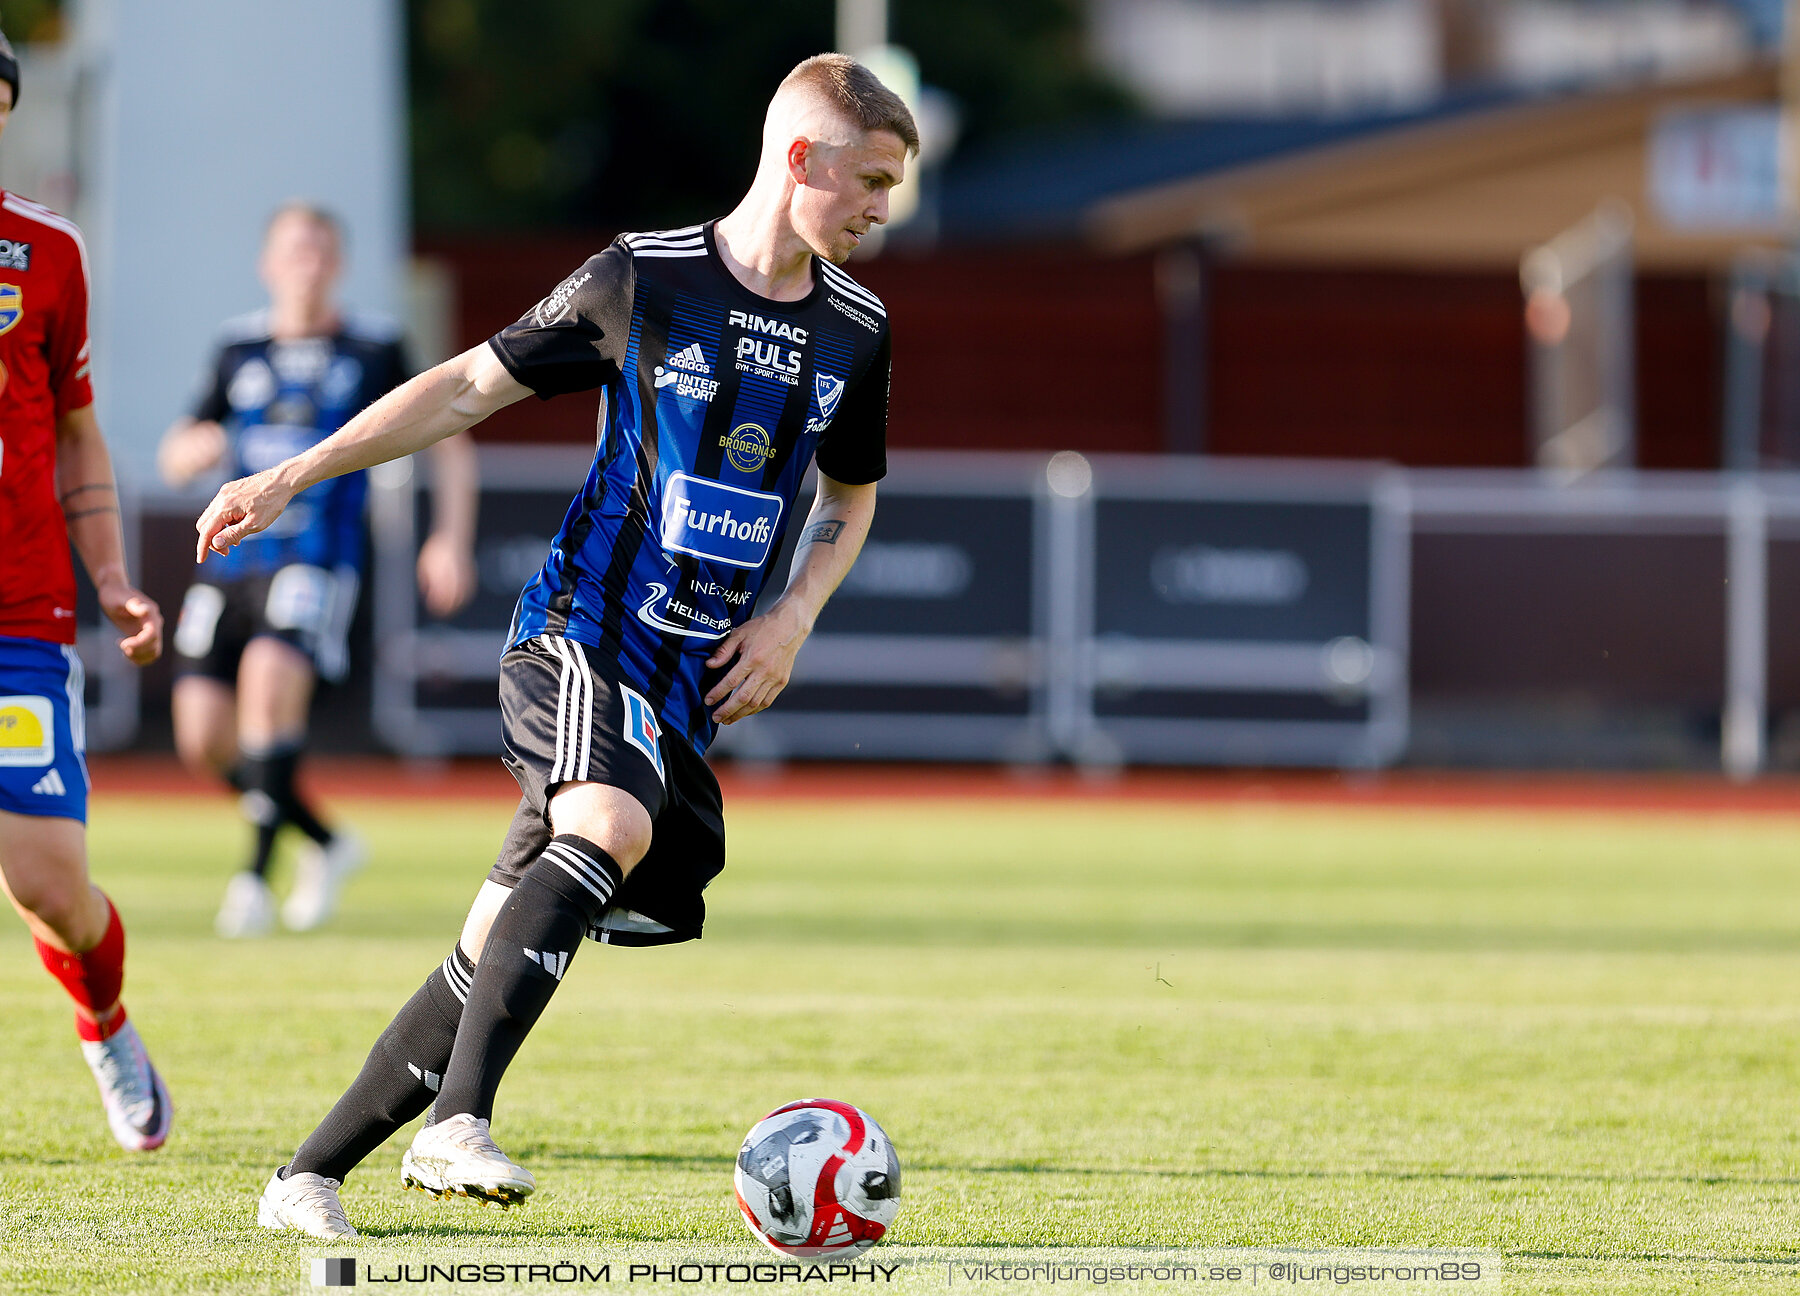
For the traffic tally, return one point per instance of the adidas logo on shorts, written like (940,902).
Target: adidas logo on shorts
(50,785)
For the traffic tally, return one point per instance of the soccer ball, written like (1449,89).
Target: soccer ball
(818,1178)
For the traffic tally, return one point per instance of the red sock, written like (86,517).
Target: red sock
(93,979)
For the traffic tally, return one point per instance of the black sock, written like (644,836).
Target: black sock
(271,773)
(528,949)
(398,1081)
(261,811)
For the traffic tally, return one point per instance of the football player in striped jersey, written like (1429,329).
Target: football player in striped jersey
(732,355)
(261,625)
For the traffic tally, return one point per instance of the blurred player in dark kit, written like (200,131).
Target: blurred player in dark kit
(731,356)
(261,625)
(56,488)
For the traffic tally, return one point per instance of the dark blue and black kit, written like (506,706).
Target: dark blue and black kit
(298,580)
(714,402)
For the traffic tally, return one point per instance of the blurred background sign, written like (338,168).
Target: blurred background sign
(1249,614)
(1721,168)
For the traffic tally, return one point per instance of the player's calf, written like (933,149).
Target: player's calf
(527,953)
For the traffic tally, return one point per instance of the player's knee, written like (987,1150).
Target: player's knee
(205,756)
(612,819)
(57,898)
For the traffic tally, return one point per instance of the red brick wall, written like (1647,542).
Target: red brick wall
(1057,349)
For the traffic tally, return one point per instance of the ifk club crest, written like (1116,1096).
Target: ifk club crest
(826,390)
(12,306)
(747,446)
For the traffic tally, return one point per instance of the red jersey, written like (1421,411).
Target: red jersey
(43,374)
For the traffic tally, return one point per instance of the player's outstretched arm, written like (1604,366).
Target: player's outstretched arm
(437,404)
(765,646)
(190,447)
(90,505)
(447,558)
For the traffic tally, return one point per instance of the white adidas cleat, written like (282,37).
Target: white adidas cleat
(136,1101)
(457,1158)
(248,908)
(306,1203)
(320,873)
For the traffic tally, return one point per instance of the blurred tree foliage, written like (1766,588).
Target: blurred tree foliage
(31,20)
(618,113)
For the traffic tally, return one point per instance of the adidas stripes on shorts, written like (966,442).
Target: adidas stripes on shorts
(43,730)
(566,717)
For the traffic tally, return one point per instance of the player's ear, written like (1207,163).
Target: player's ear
(798,153)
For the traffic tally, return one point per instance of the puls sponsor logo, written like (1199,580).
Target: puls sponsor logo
(769,360)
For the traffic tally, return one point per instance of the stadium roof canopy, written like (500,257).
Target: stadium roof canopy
(1470,181)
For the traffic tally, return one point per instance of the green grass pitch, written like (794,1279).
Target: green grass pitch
(1570,1037)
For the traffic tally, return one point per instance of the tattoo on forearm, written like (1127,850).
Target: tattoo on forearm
(825,532)
(88,512)
(73,491)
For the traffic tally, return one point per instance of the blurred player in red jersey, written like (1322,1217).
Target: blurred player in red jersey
(56,487)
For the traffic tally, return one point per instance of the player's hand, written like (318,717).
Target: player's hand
(446,574)
(138,616)
(189,450)
(765,648)
(241,508)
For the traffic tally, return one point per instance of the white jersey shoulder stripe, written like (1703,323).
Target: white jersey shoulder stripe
(844,284)
(640,240)
(44,216)
(669,252)
(848,286)
(692,234)
(251,326)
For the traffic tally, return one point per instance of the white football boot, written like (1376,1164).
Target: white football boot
(136,1101)
(248,908)
(457,1158)
(306,1203)
(319,873)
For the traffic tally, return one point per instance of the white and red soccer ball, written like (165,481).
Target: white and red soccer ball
(818,1178)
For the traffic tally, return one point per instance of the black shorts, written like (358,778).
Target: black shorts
(567,718)
(306,606)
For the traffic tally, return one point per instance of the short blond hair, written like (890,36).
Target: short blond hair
(843,84)
(308,210)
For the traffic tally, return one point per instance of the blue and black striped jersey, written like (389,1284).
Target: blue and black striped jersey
(715,401)
(277,398)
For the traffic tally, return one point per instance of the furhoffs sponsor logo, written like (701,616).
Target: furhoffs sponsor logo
(727,524)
